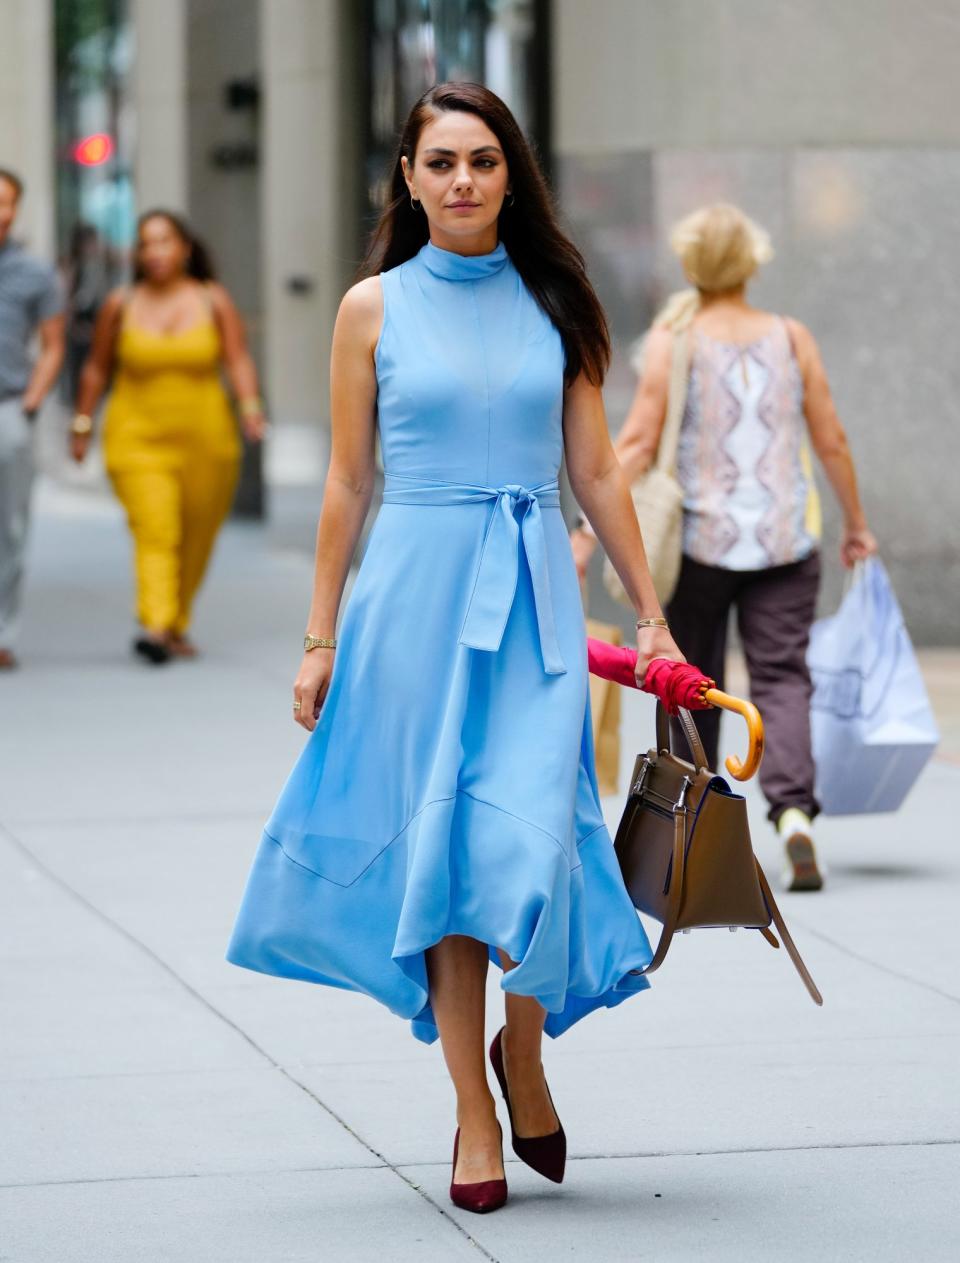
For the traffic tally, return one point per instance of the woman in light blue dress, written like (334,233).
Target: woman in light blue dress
(444,811)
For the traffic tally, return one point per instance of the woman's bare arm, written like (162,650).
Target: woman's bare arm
(97,367)
(46,370)
(238,362)
(601,489)
(349,483)
(830,443)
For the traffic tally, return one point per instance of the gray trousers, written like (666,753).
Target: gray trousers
(775,610)
(16,478)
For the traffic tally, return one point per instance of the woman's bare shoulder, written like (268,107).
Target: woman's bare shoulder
(364,300)
(799,331)
(114,302)
(217,293)
(660,339)
(113,306)
(654,356)
(804,343)
(361,311)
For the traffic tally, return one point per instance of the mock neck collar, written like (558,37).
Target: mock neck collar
(463,267)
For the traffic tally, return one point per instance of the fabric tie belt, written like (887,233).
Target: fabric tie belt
(515,519)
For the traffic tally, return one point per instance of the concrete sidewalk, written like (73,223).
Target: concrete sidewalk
(158,1104)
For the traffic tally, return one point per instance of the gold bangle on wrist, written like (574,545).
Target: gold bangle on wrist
(81,424)
(652,622)
(318,642)
(251,407)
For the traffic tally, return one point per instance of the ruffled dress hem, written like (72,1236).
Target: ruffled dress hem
(461,866)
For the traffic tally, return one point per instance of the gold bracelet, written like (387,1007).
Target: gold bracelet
(251,407)
(652,622)
(318,642)
(81,424)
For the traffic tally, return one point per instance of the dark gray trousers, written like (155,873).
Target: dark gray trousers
(775,610)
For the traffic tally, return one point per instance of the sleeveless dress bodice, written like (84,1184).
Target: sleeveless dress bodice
(469,373)
(449,785)
(167,404)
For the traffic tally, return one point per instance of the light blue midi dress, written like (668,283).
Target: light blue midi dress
(449,786)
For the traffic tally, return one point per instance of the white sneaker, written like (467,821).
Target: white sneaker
(802,871)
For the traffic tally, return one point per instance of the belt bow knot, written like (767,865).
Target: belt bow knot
(515,523)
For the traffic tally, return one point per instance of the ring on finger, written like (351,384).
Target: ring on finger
(297,705)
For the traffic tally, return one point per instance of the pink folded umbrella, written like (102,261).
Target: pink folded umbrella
(679,684)
(675,683)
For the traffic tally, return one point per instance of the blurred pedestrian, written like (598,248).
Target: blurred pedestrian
(31,303)
(89,272)
(757,392)
(170,440)
(445,811)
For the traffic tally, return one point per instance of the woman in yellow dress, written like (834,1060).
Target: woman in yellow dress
(170,441)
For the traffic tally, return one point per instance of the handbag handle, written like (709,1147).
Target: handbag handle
(689,731)
(741,770)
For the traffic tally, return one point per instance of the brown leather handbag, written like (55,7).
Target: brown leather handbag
(685,851)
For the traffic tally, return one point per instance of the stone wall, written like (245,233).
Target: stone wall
(835,127)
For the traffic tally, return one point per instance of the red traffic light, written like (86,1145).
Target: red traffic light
(93,150)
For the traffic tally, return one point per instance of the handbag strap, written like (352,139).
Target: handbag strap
(675,893)
(673,912)
(666,459)
(788,942)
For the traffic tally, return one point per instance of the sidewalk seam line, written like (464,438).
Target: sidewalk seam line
(884,969)
(409,1166)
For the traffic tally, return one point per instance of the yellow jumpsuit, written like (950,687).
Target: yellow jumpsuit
(173,455)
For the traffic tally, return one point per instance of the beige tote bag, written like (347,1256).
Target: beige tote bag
(657,495)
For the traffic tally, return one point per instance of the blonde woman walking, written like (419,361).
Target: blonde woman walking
(757,394)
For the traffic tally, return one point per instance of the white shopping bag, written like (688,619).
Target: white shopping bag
(872,727)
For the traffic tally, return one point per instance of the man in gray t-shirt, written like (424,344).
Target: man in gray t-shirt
(31,302)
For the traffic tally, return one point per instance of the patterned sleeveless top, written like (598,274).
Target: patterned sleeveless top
(743,462)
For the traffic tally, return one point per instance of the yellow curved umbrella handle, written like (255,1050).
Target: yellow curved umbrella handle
(742,771)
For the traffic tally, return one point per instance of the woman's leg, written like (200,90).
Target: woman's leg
(457,969)
(151,498)
(775,611)
(207,489)
(533,1112)
(698,615)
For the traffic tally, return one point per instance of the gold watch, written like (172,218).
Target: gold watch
(81,424)
(318,642)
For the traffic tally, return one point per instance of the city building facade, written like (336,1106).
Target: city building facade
(270,124)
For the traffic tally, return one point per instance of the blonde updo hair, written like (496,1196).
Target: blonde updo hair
(719,248)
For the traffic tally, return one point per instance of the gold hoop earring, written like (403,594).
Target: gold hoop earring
(511,198)
(417,205)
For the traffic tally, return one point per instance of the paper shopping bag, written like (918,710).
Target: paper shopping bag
(871,723)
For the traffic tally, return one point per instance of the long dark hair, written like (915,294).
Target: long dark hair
(550,265)
(199,261)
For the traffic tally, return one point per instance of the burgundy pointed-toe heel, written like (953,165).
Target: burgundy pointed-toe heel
(546,1154)
(482,1197)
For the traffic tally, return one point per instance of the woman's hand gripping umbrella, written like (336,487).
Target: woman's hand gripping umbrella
(679,684)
